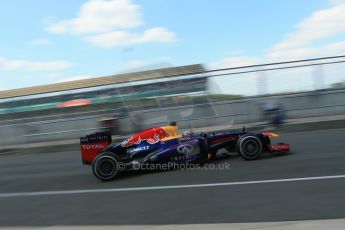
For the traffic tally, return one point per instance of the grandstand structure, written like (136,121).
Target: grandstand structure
(166,82)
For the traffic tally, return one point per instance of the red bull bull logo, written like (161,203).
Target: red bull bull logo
(152,136)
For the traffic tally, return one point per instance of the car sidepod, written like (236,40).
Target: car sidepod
(183,150)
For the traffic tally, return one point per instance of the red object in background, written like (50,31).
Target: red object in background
(107,122)
(78,102)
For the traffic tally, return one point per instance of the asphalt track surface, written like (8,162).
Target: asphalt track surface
(315,154)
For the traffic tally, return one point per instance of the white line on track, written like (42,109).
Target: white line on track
(129,189)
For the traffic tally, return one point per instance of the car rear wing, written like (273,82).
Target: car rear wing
(93,144)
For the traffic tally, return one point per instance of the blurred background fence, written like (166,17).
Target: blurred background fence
(190,95)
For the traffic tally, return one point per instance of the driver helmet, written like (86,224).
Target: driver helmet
(187,133)
(173,123)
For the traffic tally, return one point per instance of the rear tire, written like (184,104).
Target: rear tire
(249,147)
(105,166)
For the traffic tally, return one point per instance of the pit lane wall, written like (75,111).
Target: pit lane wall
(301,105)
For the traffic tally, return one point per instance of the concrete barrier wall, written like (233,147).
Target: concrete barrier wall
(249,110)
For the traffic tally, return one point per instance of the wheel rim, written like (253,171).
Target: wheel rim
(251,148)
(106,167)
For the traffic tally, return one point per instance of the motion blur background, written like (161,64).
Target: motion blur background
(71,68)
(75,67)
(129,102)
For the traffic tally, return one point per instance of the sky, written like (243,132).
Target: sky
(53,41)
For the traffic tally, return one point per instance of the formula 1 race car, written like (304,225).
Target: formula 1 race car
(154,146)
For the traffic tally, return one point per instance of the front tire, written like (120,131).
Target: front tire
(105,166)
(249,147)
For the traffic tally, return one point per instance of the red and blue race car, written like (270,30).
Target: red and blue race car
(157,146)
